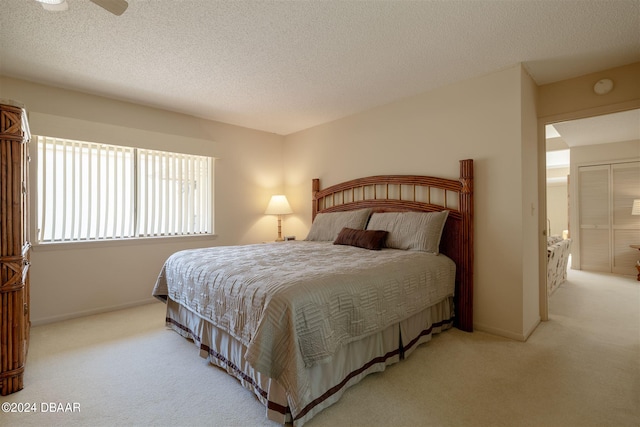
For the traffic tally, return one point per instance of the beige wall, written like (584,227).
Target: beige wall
(71,280)
(558,207)
(531,235)
(608,153)
(575,98)
(485,118)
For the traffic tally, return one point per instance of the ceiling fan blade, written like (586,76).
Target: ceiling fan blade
(117,7)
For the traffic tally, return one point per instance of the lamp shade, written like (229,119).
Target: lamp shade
(635,210)
(278,205)
(54,5)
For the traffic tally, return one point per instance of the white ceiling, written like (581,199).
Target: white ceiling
(618,127)
(284,66)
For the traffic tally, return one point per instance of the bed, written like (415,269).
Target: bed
(388,262)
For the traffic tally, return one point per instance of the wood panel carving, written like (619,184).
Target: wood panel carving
(14,248)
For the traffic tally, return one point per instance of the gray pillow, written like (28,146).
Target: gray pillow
(419,231)
(327,226)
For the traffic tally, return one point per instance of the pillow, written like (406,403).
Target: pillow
(419,231)
(552,240)
(327,226)
(367,239)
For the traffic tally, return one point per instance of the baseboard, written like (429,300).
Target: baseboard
(500,332)
(60,318)
(532,328)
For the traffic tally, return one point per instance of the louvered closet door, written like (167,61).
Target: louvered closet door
(626,227)
(594,190)
(607,228)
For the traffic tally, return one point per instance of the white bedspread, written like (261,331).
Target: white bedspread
(293,304)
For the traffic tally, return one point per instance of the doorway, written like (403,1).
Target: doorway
(610,139)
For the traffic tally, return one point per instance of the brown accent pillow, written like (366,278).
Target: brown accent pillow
(367,239)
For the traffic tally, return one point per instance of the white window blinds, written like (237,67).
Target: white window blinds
(89,191)
(174,194)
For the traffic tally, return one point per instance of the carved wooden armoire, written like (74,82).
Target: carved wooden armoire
(14,246)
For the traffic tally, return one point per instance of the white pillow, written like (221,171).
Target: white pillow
(419,231)
(327,226)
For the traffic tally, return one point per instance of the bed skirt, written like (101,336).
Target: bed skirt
(328,380)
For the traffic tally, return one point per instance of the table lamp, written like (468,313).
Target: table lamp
(278,205)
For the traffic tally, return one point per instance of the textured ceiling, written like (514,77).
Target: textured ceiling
(284,66)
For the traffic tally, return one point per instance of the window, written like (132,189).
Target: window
(89,191)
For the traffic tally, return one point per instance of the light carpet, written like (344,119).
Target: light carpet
(124,368)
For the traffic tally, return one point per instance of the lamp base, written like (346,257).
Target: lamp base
(279,239)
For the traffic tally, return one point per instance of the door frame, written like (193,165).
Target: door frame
(542,184)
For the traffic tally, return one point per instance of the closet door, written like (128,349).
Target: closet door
(607,228)
(594,209)
(625,227)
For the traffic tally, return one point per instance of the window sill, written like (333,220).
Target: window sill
(140,241)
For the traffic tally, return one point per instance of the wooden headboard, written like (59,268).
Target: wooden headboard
(398,193)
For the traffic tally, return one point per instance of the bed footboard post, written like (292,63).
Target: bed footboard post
(465,296)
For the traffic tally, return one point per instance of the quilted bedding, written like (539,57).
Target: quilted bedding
(294,304)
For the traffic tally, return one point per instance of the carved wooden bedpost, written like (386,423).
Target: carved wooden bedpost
(315,187)
(465,321)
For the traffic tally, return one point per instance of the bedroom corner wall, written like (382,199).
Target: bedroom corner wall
(480,118)
(531,210)
(72,280)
